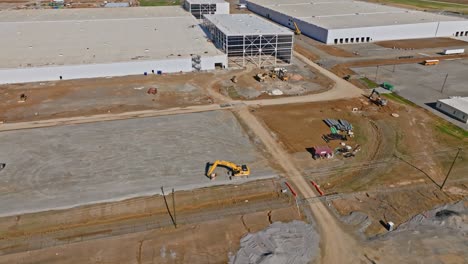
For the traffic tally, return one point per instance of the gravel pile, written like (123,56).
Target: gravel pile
(293,243)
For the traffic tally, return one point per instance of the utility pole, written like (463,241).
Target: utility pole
(173,208)
(450,170)
(443,85)
(376,73)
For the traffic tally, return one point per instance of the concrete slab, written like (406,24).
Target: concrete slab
(423,84)
(66,166)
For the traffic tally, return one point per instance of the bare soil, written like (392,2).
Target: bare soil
(302,42)
(421,43)
(425,154)
(204,242)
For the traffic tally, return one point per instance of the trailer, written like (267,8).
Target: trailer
(453,51)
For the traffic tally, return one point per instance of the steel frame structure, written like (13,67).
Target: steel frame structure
(198,10)
(257,49)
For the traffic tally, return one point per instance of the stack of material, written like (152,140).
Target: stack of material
(295,243)
(342,124)
(346,125)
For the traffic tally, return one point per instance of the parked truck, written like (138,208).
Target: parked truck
(453,51)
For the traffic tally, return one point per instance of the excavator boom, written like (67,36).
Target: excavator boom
(236,170)
(297,31)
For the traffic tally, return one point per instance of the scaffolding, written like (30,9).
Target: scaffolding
(262,49)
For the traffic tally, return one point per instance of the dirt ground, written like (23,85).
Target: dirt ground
(396,153)
(303,80)
(100,95)
(114,220)
(69,98)
(421,43)
(303,41)
(205,242)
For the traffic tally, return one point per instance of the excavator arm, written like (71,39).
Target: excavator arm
(242,170)
(297,31)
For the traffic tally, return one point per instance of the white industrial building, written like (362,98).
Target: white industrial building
(348,21)
(456,107)
(47,44)
(198,8)
(249,39)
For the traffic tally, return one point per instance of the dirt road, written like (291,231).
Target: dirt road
(337,246)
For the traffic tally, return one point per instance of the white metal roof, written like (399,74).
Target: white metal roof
(245,24)
(459,103)
(332,14)
(99,35)
(206,1)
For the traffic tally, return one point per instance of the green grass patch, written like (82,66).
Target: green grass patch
(397,98)
(369,83)
(452,130)
(232,92)
(430,4)
(159,2)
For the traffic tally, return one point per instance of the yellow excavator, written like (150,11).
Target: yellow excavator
(235,170)
(297,31)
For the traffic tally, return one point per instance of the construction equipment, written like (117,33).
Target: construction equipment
(234,79)
(234,169)
(322,152)
(377,100)
(297,31)
(282,73)
(261,77)
(356,149)
(388,86)
(430,62)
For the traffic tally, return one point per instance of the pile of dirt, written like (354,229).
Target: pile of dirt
(295,242)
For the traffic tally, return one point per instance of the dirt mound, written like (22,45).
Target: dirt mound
(295,242)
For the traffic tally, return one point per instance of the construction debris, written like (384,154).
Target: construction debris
(23,98)
(275,92)
(341,124)
(294,243)
(334,136)
(152,91)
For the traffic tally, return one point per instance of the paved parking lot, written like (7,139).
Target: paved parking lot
(65,166)
(424,85)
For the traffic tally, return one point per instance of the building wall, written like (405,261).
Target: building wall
(411,31)
(208,63)
(222,8)
(307,29)
(450,28)
(368,34)
(36,74)
(452,111)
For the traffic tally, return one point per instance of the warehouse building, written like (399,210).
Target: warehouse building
(198,8)
(348,21)
(43,45)
(249,39)
(456,107)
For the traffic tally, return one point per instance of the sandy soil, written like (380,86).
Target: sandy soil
(205,242)
(421,43)
(381,136)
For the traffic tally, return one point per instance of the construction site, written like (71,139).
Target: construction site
(283,150)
